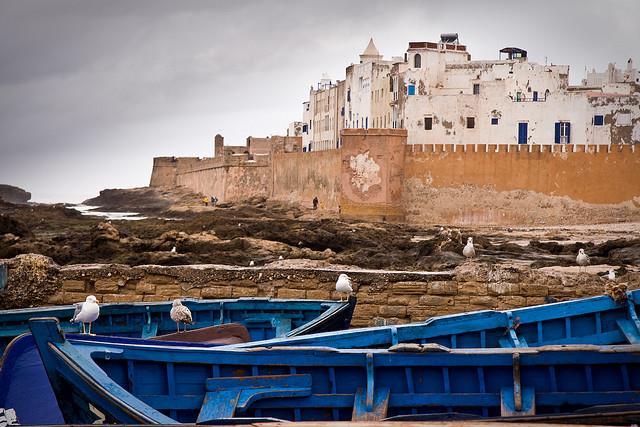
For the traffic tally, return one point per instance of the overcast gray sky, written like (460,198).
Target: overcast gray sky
(91,91)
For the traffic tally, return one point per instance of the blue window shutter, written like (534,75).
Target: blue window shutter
(568,133)
(411,90)
(598,120)
(557,139)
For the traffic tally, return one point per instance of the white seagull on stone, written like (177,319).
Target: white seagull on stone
(180,314)
(280,257)
(251,263)
(469,250)
(174,250)
(343,285)
(612,275)
(582,259)
(86,312)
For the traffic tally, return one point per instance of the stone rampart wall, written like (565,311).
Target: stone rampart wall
(376,176)
(599,174)
(299,177)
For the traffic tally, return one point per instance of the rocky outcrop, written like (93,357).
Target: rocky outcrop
(9,225)
(32,281)
(11,194)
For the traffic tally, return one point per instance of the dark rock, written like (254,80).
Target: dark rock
(32,279)
(15,195)
(628,255)
(9,225)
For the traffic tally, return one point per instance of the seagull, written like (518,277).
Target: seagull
(583,259)
(174,250)
(280,257)
(86,312)
(343,285)
(251,263)
(612,275)
(468,250)
(179,313)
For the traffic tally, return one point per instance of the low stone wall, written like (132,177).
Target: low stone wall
(392,297)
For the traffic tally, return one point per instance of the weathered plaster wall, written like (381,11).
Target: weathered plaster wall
(593,174)
(372,173)
(299,177)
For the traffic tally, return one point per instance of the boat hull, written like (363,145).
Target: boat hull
(265,318)
(133,382)
(597,320)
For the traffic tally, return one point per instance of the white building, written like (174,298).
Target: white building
(440,95)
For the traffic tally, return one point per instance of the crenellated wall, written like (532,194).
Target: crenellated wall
(599,174)
(375,175)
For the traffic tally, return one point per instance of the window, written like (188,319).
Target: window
(390,83)
(411,89)
(562,133)
(305,128)
(417,61)
(476,88)
(494,120)
(471,122)
(366,123)
(349,95)
(428,123)
(535,95)
(519,96)
(598,120)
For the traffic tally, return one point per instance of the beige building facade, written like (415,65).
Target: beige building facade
(441,96)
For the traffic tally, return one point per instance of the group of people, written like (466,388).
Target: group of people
(213,200)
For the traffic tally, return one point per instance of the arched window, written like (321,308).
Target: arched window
(417,61)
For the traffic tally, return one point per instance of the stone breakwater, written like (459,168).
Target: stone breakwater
(383,296)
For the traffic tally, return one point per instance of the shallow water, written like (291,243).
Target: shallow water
(115,216)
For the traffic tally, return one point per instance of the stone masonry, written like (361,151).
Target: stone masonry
(383,296)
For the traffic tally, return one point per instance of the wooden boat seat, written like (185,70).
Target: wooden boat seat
(229,333)
(225,395)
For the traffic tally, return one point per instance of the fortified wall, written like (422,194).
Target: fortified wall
(375,175)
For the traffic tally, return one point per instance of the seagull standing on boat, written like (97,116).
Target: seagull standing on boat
(86,312)
(180,314)
(469,251)
(582,259)
(343,285)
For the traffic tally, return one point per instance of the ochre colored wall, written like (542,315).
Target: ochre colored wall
(229,183)
(372,164)
(164,172)
(376,176)
(590,174)
(300,177)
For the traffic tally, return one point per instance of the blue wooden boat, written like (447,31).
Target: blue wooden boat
(134,381)
(597,320)
(264,317)
(25,387)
